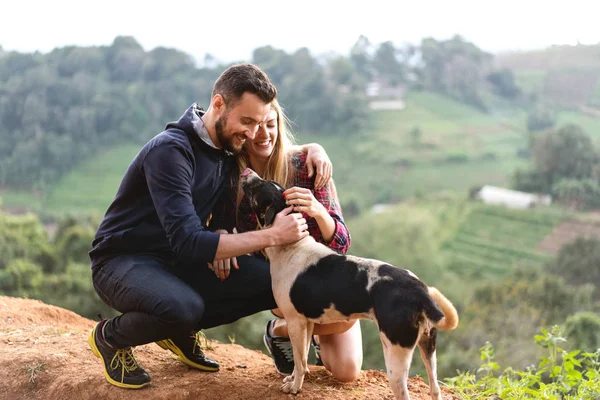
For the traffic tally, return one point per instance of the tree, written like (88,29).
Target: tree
(404,236)
(360,56)
(455,68)
(578,263)
(503,82)
(583,331)
(508,312)
(577,194)
(31,267)
(125,58)
(540,119)
(567,153)
(58,109)
(386,64)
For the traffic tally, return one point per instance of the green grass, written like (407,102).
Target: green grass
(492,239)
(385,164)
(458,177)
(595,96)
(93,185)
(21,201)
(590,125)
(89,188)
(530,80)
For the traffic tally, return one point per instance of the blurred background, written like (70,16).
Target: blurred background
(463,136)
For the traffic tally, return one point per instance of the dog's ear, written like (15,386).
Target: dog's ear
(278,186)
(269,216)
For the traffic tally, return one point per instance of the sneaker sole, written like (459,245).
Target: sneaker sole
(169,345)
(271,353)
(92,343)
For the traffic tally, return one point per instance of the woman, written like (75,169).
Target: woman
(271,155)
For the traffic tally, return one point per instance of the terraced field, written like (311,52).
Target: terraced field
(491,240)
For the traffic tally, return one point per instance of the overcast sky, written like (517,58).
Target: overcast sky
(231,29)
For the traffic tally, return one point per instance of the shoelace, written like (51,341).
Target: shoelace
(317,347)
(286,349)
(125,358)
(197,344)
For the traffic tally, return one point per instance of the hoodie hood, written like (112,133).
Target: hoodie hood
(191,123)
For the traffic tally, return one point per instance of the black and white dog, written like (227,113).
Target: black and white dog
(313,284)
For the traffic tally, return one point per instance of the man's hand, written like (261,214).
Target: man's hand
(289,227)
(317,159)
(222,268)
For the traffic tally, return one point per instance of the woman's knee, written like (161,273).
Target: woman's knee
(342,353)
(346,370)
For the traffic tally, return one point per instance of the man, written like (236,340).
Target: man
(150,254)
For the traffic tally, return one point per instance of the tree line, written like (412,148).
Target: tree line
(59,108)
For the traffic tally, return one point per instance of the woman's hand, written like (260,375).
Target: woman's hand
(304,201)
(222,268)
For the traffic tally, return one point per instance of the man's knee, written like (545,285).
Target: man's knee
(185,312)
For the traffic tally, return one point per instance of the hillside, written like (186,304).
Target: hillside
(435,144)
(45,356)
(492,239)
(564,75)
(567,232)
(474,240)
(456,148)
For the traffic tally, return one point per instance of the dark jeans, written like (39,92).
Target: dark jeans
(160,300)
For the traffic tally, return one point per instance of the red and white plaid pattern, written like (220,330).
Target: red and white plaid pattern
(224,213)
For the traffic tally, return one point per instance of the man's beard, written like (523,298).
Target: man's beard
(226,142)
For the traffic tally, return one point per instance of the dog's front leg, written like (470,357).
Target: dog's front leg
(297,330)
(310,326)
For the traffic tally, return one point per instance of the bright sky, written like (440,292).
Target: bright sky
(231,29)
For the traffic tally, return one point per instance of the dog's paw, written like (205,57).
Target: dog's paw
(290,388)
(289,378)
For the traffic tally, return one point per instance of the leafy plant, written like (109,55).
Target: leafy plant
(559,375)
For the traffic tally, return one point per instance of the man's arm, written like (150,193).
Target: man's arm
(168,172)
(316,160)
(287,228)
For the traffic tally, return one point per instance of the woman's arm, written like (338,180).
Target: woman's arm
(304,201)
(327,223)
(340,239)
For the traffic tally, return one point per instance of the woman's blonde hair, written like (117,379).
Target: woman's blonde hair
(279,166)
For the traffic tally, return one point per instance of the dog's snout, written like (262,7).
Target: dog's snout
(248,175)
(247,172)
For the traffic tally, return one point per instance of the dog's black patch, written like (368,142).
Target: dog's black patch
(332,280)
(266,199)
(399,305)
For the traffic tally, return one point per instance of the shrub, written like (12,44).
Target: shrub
(559,374)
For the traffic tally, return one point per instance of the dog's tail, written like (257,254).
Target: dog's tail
(449,320)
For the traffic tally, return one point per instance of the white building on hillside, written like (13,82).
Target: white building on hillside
(511,198)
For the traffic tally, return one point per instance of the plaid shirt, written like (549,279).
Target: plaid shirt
(224,215)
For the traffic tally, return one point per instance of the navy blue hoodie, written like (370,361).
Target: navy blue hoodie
(166,197)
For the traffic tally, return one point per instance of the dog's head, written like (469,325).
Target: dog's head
(266,197)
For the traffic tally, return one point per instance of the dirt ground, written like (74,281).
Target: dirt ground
(44,355)
(567,232)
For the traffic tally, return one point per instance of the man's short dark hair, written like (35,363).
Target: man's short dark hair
(241,78)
